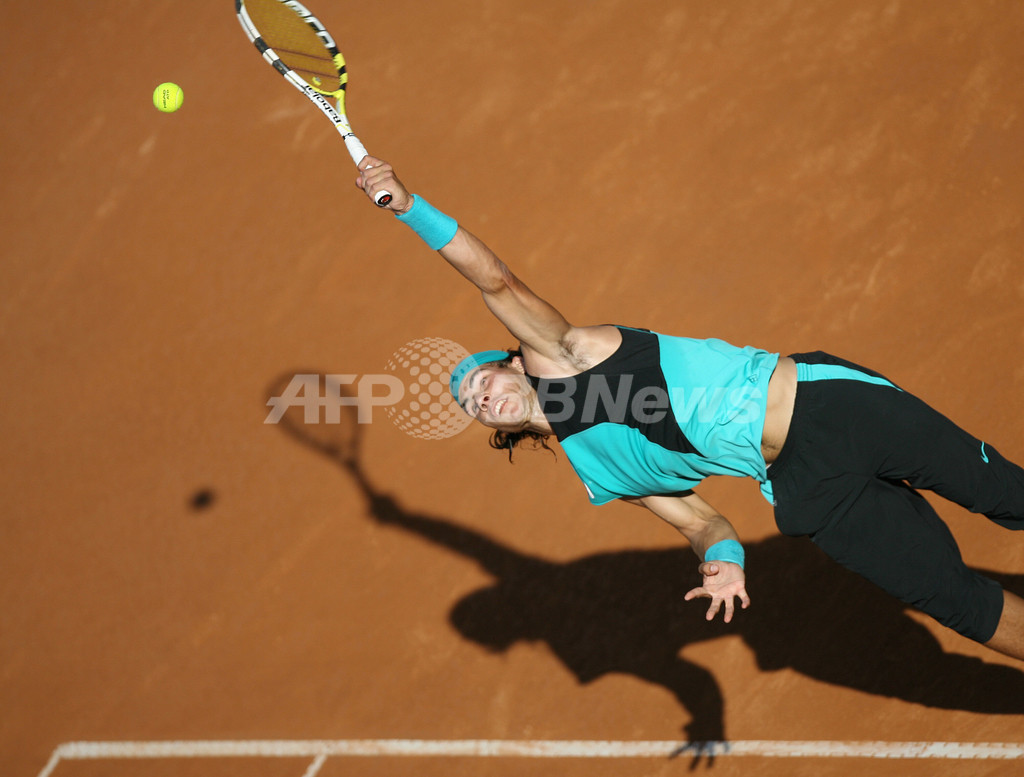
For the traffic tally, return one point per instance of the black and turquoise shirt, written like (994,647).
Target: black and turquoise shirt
(661,414)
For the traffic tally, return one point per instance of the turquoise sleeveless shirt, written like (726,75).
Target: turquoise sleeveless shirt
(661,414)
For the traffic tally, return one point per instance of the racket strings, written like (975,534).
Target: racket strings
(298,45)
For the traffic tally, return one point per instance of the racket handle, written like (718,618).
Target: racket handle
(357,151)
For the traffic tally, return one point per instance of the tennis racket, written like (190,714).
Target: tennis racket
(299,47)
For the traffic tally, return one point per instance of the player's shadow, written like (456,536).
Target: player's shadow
(623,612)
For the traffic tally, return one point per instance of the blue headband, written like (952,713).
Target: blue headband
(469,364)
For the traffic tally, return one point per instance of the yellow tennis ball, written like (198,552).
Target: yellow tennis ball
(168,97)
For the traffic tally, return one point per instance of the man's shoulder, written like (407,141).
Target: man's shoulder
(581,348)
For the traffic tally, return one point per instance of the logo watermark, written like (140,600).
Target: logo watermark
(612,399)
(427,410)
(412,391)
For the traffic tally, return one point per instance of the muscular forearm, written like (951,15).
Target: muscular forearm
(691,516)
(537,325)
(476,262)
(704,527)
(716,529)
(460,248)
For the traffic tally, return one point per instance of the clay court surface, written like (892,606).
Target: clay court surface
(841,176)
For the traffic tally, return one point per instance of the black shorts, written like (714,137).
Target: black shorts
(847,478)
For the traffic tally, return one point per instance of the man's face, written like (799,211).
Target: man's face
(498,397)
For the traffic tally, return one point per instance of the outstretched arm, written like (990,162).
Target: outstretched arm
(704,527)
(531,320)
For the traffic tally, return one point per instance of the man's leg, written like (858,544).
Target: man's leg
(1009,636)
(931,452)
(890,534)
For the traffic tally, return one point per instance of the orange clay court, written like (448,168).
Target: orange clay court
(285,601)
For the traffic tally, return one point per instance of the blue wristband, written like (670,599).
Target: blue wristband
(436,229)
(726,550)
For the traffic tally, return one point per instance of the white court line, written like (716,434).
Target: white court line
(505,748)
(316,766)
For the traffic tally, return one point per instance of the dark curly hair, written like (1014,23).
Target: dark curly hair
(509,441)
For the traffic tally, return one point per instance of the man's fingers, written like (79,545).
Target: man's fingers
(713,609)
(370,168)
(694,593)
(373,175)
(717,602)
(730,608)
(368,161)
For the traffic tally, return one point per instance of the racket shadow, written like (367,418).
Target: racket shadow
(623,612)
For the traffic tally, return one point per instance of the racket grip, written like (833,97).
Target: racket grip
(357,151)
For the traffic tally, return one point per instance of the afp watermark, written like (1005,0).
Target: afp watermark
(412,391)
(614,399)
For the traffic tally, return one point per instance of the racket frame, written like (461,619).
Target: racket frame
(336,113)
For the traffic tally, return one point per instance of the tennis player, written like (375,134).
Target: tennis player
(840,450)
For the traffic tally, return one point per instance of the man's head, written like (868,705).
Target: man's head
(496,380)
(492,387)
(469,364)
